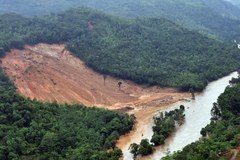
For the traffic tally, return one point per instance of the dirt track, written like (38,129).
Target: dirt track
(51,73)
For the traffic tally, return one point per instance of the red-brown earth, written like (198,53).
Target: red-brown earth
(51,73)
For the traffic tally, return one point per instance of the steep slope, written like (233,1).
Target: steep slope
(51,73)
(155,51)
(151,51)
(35,130)
(216,17)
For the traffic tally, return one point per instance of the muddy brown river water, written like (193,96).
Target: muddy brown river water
(197,116)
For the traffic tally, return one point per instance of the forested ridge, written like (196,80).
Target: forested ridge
(221,138)
(150,50)
(146,50)
(35,130)
(217,18)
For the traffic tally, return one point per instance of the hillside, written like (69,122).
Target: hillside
(35,130)
(90,58)
(51,73)
(217,18)
(150,51)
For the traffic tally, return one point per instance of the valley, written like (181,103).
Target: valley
(85,83)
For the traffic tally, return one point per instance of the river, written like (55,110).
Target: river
(197,116)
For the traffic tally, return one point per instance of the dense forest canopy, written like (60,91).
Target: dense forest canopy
(149,50)
(35,130)
(152,51)
(217,18)
(221,137)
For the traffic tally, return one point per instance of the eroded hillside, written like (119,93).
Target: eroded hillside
(52,73)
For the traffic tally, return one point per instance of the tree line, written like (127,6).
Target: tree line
(34,130)
(164,125)
(146,50)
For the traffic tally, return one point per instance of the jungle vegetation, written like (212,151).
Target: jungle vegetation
(166,123)
(35,130)
(152,51)
(215,18)
(143,149)
(146,50)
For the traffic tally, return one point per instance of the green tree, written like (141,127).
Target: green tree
(134,149)
(157,139)
(145,148)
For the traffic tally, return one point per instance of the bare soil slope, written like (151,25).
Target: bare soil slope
(52,73)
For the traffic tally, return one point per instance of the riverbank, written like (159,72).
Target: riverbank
(197,116)
(143,127)
(51,73)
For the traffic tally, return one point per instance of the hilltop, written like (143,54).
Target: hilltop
(150,51)
(216,18)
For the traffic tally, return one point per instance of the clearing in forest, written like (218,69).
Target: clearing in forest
(51,73)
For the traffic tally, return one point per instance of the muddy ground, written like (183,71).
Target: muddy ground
(51,73)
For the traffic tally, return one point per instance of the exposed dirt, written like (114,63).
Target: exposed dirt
(143,128)
(51,73)
(236,154)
